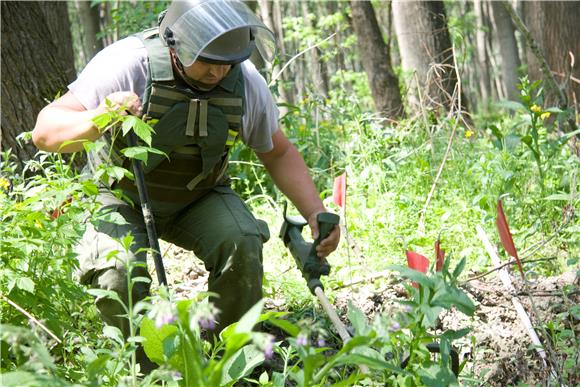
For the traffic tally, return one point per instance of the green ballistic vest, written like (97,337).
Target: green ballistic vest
(196,129)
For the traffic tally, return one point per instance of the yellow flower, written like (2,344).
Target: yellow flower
(544,115)
(468,133)
(4,184)
(536,109)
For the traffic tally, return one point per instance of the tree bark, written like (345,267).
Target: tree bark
(89,20)
(376,60)
(426,51)
(316,66)
(37,64)
(554,27)
(508,48)
(483,60)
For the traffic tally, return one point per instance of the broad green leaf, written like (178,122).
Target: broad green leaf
(452,335)
(249,319)
(136,152)
(102,293)
(90,188)
(113,333)
(371,362)
(413,275)
(115,172)
(25,283)
(103,120)
(242,363)
(454,297)
(93,146)
(110,217)
(98,365)
(154,339)
(143,131)
(459,268)
(286,326)
(357,319)
(436,376)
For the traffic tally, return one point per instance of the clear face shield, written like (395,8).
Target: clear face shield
(221,32)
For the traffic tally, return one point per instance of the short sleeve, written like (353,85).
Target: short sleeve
(121,66)
(261,114)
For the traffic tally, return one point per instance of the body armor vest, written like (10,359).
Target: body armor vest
(196,129)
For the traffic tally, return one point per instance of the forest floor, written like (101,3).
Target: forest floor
(498,350)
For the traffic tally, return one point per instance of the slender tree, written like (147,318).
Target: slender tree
(383,82)
(508,48)
(315,64)
(426,52)
(554,27)
(482,54)
(89,22)
(37,64)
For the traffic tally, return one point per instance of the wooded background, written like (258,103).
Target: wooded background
(408,56)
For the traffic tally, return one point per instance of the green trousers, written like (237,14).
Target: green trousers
(219,229)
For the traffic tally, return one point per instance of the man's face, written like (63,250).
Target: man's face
(206,73)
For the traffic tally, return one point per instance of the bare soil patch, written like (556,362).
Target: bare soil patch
(498,351)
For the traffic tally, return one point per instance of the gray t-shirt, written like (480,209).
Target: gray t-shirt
(123,66)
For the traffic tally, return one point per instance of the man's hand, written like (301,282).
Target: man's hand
(330,243)
(122,101)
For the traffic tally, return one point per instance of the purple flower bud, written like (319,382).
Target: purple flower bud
(176,375)
(301,339)
(408,309)
(395,326)
(269,349)
(207,323)
(321,342)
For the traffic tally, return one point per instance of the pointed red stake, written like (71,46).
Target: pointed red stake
(439,256)
(506,236)
(339,191)
(417,262)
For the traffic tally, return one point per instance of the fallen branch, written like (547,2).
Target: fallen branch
(504,265)
(30,317)
(371,278)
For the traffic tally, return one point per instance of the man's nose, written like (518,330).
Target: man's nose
(216,69)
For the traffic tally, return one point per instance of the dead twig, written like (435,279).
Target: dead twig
(30,317)
(382,274)
(275,77)
(504,265)
(449,144)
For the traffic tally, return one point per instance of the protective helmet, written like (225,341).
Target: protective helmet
(215,31)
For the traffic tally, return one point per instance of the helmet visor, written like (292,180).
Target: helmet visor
(209,20)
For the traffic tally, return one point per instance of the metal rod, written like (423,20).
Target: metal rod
(338,325)
(147,214)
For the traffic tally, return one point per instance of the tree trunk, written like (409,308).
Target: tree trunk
(483,61)
(376,60)
(89,21)
(320,82)
(554,27)
(37,64)
(426,50)
(287,89)
(508,48)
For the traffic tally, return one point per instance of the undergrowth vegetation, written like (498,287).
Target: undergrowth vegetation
(51,334)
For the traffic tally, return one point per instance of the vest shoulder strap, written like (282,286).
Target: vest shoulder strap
(160,66)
